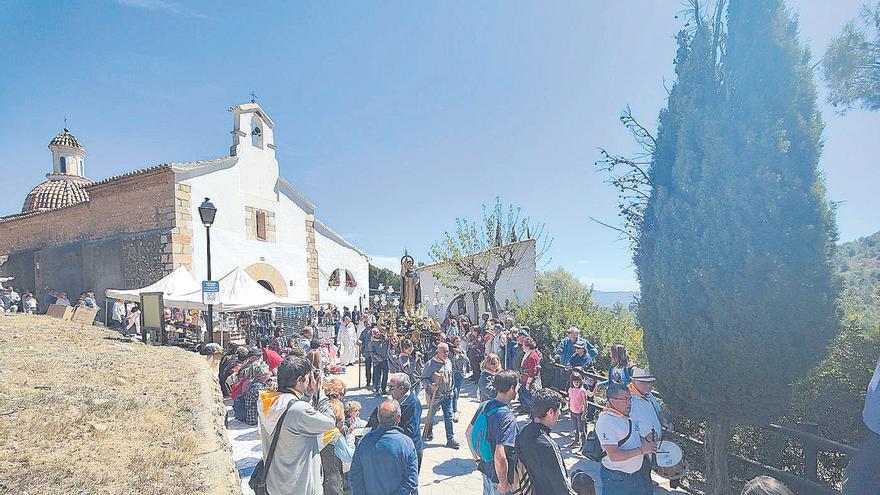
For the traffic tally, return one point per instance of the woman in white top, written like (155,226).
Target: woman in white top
(134,319)
(347,338)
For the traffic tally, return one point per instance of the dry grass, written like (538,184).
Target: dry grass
(84,414)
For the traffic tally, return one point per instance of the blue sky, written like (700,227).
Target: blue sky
(440,106)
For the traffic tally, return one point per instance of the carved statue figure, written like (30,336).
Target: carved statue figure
(411,290)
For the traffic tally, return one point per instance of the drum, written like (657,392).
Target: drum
(670,462)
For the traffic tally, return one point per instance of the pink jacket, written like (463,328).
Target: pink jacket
(577,399)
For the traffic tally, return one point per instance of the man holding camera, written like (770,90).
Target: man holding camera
(296,465)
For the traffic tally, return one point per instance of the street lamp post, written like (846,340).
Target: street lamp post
(439,302)
(207,212)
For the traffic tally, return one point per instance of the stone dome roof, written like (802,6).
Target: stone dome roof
(59,191)
(65,138)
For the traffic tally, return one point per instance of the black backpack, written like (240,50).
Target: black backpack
(592,449)
(258,477)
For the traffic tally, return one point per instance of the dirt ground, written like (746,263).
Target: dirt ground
(83,412)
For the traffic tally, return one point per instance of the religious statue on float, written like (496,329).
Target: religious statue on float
(410,290)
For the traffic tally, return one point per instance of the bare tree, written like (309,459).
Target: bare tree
(629,175)
(479,252)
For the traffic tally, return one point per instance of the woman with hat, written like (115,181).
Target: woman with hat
(580,358)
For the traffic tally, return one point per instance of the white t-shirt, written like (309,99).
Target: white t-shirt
(645,413)
(611,428)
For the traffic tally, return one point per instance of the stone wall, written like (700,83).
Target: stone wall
(177,248)
(123,261)
(133,203)
(312,257)
(118,239)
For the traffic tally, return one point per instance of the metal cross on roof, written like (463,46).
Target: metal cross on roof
(253,97)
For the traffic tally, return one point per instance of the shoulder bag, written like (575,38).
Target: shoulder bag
(592,449)
(261,471)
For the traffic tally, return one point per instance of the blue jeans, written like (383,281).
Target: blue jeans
(457,380)
(490,488)
(380,377)
(444,403)
(620,483)
(416,389)
(368,369)
(578,427)
(525,398)
(862,475)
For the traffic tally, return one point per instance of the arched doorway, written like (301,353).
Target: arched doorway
(456,307)
(269,277)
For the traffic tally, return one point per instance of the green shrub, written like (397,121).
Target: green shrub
(550,314)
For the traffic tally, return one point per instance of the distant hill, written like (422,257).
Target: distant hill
(609,299)
(858,262)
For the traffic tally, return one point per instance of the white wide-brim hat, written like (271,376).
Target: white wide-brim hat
(642,375)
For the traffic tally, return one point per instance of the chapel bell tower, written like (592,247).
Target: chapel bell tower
(67,155)
(251,131)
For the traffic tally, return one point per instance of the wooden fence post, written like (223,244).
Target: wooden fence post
(811,452)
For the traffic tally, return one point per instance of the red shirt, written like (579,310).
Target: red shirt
(530,366)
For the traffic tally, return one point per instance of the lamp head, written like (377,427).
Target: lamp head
(207,212)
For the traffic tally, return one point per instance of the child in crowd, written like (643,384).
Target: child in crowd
(460,366)
(621,367)
(577,404)
(353,415)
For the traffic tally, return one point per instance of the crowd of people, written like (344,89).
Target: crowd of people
(316,442)
(13,300)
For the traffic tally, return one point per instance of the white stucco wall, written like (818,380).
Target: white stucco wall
(516,285)
(230,246)
(250,179)
(333,255)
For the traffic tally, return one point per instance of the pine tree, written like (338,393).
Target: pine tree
(738,296)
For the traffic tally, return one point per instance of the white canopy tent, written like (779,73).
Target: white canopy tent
(238,292)
(180,281)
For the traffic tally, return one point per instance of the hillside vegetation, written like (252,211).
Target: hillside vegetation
(858,262)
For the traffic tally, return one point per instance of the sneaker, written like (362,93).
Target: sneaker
(429,437)
(452,444)
(455,418)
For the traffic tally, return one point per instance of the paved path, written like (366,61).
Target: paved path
(444,470)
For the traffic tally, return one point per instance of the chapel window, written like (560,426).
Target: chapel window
(261,225)
(63,167)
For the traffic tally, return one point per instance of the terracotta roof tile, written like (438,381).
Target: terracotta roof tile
(65,138)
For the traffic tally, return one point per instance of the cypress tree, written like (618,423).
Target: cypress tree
(738,294)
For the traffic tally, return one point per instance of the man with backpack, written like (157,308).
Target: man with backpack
(538,452)
(492,434)
(623,445)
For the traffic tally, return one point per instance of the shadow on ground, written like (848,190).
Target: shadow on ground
(455,467)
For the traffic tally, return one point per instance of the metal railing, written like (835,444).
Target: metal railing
(555,375)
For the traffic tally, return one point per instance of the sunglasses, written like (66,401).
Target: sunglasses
(625,399)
